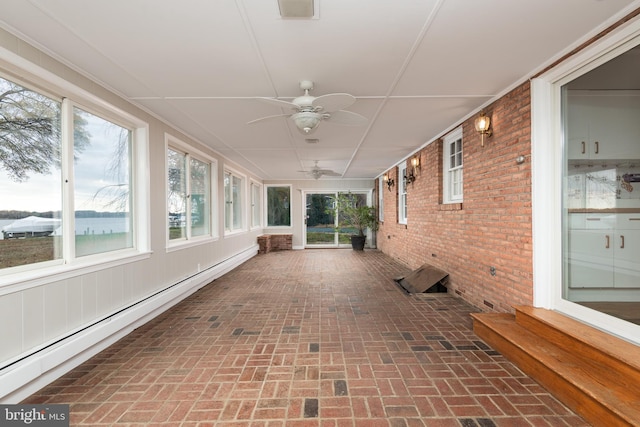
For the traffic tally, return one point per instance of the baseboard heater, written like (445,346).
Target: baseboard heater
(427,279)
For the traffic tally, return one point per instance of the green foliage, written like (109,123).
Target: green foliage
(278,206)
(353,212)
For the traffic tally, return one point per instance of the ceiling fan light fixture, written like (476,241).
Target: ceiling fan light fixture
(306,121)
(296,8)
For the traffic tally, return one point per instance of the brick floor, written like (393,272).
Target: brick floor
(313,338)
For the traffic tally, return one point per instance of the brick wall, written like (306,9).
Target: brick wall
(274,242)
(491,228)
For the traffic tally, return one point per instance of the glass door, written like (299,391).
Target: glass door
(321,223)
(320,220)
(601,197)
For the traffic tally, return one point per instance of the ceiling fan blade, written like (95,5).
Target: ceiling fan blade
(348,118)
(333,101)
(268,118)
(328,172)
(279,103)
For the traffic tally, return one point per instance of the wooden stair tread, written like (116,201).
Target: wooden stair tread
(592,379)
(607,344)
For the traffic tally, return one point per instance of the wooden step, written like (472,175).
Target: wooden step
(622,357)
(577,373)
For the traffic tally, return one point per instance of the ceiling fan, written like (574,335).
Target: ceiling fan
(316,172)
(309,111)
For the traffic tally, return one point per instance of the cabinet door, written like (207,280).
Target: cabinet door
(627,259)
(577,128)
(614,126)
(590,262)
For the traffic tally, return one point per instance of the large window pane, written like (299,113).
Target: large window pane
(233,196)
(237,202)
(278,206)
(199,200)
(102,170)
(177,195)
(30,177)
(255,205)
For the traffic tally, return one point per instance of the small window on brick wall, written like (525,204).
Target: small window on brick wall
(452,167)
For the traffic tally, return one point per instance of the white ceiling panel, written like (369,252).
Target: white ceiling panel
(416,67)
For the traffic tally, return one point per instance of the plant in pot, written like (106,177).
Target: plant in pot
(354,214)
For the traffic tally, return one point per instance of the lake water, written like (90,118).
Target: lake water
(91,225)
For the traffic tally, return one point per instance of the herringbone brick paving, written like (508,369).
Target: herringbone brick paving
(313,338)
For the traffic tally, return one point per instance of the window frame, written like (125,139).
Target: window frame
(402,193)
(241,198)
(448,195)
(255,192)
(36,79)
(547,163)
(266,211)
(190,152)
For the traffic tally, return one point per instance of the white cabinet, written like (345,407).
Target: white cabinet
(590,259)
(627,251)
(603,125)
(604,251)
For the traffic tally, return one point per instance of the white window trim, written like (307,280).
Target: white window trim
(546,169)
(402,193)
(447,196)
(52,85)
(244,214)
(266,208)
(171,142)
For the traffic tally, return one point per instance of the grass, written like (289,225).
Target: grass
(16,252)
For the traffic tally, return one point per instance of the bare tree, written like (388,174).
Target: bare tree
(30,132)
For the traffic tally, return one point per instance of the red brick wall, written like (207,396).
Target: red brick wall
(274,242)
(491,228)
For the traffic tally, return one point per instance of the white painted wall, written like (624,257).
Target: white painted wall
(52,320)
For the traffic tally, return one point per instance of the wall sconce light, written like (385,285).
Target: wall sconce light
(483,126)
(390,182)
(410,178)
(415,164)
(415,168)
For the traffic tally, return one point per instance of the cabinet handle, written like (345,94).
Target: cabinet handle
(621,242)
(607,241)
(597,147)
(634,219)
(583,147)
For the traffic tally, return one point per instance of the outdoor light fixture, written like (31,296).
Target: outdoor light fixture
(390,182)
(415,164)
(483,126)
(415,167)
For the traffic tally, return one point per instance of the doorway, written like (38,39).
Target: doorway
(321,224)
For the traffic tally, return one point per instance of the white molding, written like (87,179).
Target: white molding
(39,369)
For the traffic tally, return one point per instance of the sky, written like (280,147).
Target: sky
(41,193)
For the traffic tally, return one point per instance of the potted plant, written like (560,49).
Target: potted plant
(353,213)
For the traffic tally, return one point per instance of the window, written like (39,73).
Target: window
(255,205)
(102,178)
(233,196)
(67,176)
(278,206)
(402,193)
(452,167)
(381,199)
(188,193)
